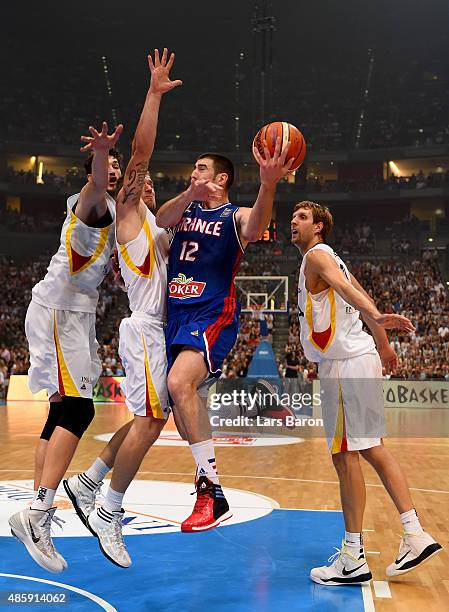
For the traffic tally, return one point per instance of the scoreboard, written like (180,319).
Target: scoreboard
(270,233)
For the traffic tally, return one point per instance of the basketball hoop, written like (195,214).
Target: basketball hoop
(263,293)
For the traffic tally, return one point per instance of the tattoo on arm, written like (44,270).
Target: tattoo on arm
(134,183)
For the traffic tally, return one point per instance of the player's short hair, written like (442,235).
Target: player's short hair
(320,214)
(221,164)
(112,152)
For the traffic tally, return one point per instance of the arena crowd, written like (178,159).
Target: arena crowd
(414,288)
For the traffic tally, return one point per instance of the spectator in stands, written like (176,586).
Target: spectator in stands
(291,372)
(3,375)
(443,330)
(312,372)
(415,289)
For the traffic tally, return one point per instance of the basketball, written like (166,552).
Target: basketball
(286,132)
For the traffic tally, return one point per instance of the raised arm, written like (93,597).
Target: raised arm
(325,266)
(145,136)
(254,221)
(91,204)
(171,212)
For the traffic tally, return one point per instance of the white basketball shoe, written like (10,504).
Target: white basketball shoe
(107,526)
(32,528)
(346,567)
(415,549)
(82,492)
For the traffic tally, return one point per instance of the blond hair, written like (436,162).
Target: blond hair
(320,214)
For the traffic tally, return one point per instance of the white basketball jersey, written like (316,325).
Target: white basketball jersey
(143,265)
(330,327)
(80,264)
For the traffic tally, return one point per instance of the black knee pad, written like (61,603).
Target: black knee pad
(77,414)
(53,417)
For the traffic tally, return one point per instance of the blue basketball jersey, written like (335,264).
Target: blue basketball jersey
(204,258)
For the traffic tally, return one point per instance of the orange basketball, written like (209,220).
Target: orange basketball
(286,132)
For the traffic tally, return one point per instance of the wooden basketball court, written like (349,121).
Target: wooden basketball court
(297,476)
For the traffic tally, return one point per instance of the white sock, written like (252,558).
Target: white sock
(43,499)
(204,455)
(353,540)
(410,521)
(113,500)
(97,471)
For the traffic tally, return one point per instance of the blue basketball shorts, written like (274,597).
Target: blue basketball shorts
(212,334)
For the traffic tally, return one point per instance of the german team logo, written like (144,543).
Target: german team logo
(183,288)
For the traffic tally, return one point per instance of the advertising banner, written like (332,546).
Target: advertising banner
(416,393)
(397,393)
(106,390)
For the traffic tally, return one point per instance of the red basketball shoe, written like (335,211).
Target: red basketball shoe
(211,507)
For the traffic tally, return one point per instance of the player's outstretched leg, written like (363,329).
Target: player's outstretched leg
(417,546)
(211,507)
(106,521)
(54,413)
(348,565)
(83,488)
(32,525)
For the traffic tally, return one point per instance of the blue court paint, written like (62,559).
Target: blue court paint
(263,364)
(262,565)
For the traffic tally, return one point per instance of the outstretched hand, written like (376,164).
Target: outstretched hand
(389,358)
(395,321)
(101,140)
(205,191)
(273,167)
(160,72)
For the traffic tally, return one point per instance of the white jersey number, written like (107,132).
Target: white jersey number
(188,250)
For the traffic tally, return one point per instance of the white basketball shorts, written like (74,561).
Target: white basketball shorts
(63,351)
(143,355)
(352,402)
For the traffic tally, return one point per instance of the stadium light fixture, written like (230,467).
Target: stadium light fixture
(39,179)
(394,168)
